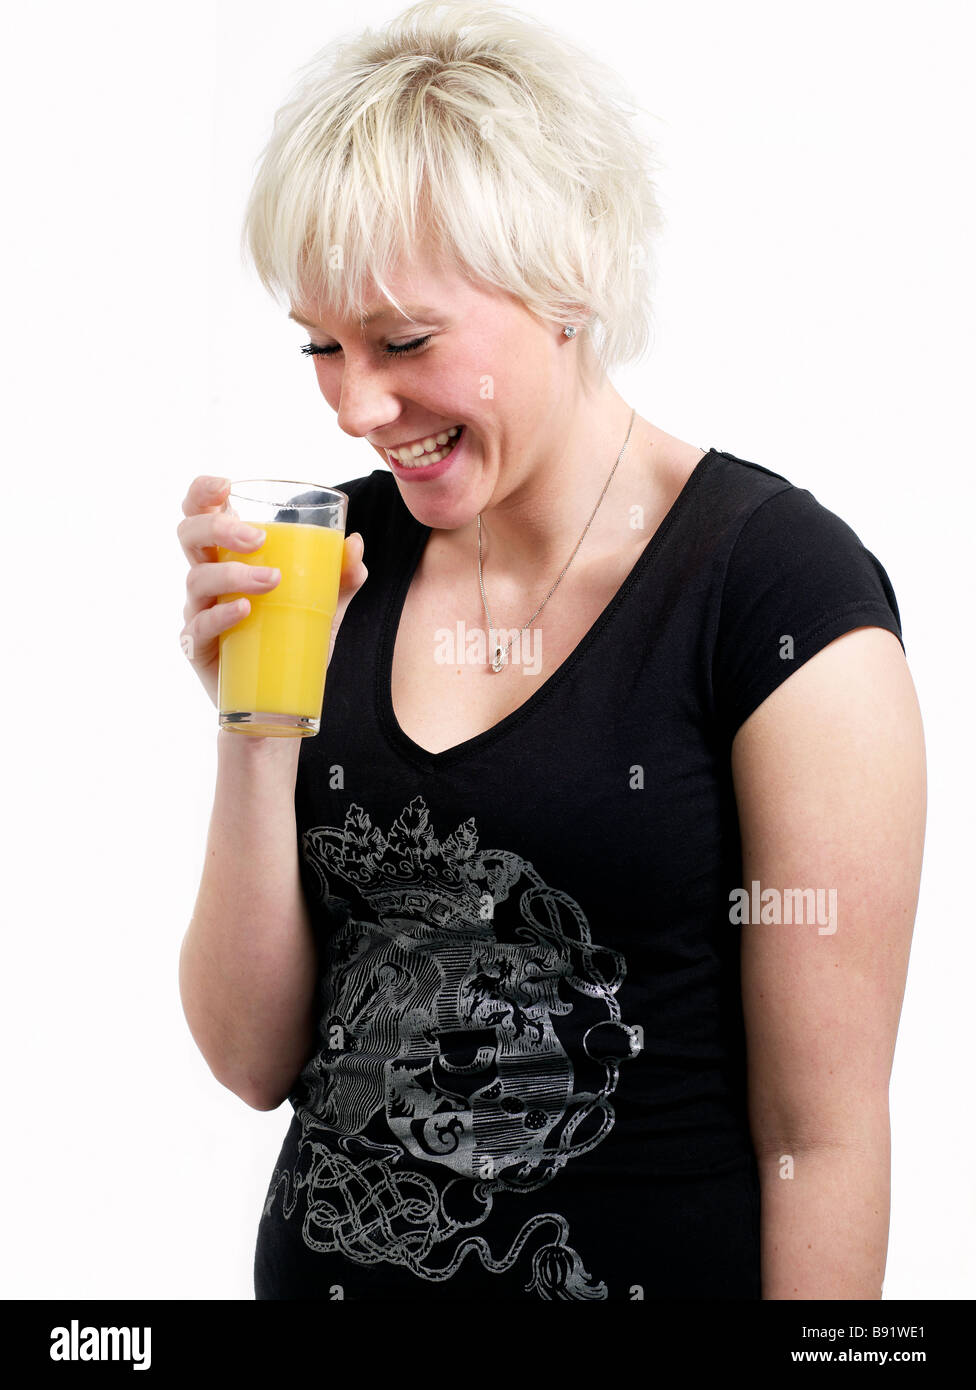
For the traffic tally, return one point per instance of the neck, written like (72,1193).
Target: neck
(531,531)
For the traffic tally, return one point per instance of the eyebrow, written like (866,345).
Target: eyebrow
(416,311)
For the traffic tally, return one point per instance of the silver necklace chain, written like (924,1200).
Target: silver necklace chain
(497,659)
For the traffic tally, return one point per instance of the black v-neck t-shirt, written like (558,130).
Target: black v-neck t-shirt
(529,1080)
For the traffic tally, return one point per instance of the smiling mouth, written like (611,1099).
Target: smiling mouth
(440,445)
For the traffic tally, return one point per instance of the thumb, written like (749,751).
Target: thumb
(354,570)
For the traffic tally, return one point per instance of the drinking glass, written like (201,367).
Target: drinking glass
(271,680)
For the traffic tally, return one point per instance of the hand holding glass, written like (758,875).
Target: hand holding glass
(273,662)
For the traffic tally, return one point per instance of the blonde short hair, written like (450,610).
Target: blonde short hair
(483,129)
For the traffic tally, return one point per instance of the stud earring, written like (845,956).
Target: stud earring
(570,331)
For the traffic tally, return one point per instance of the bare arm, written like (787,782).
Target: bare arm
(248,962)
(830,783)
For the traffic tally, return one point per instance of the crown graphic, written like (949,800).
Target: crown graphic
(409,872)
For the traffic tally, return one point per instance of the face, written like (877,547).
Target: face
(476,360)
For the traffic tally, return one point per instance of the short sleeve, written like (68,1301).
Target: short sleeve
(797,578)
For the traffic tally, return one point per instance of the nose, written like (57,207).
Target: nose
(364,405)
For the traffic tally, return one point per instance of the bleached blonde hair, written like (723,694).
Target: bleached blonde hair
(476,128)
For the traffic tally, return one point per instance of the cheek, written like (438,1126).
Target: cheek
(328,381)
(520,391)
(486,383)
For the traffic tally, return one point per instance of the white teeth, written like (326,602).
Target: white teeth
(430,450)
(427,460)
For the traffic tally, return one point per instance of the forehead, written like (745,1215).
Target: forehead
(380,313)
(425,285)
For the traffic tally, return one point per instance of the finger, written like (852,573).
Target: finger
(199,535)
(202,628)
(353,570)
(204,494)
(207,582)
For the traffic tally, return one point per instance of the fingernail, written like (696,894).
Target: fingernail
(215,484)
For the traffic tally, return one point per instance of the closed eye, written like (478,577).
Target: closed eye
(393,349)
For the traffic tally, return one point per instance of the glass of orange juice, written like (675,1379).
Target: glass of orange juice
(271,678)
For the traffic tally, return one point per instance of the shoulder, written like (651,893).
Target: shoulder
(792,576)
(734,489)
(782,533)
(777,528)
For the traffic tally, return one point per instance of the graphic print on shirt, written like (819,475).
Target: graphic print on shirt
(469,1042)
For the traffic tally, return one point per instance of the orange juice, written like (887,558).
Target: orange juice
(273,661)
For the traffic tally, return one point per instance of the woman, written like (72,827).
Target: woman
(577,939)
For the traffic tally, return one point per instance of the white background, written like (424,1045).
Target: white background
(815,316)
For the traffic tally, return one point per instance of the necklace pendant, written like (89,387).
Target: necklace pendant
(496,661)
